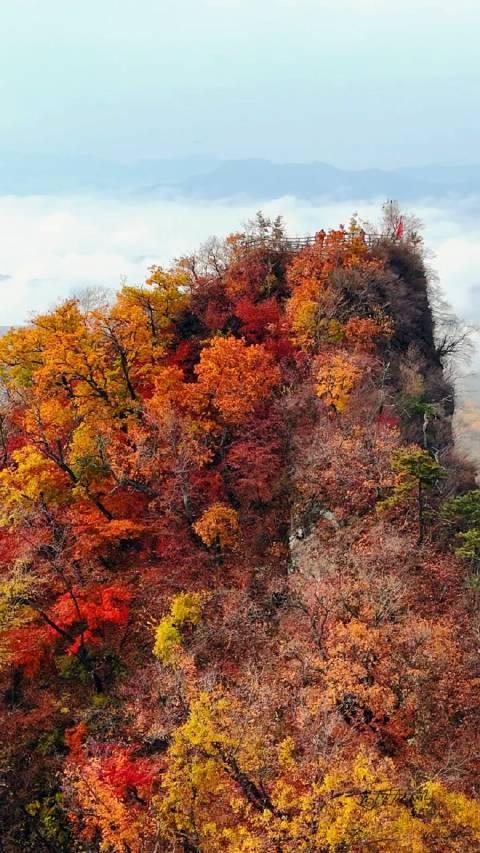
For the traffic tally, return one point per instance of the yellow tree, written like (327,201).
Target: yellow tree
(238,379)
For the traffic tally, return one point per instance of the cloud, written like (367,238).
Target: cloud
(54,247)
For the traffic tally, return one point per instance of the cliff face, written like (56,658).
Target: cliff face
(409,394)
(239,587)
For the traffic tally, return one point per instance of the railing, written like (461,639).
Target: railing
(296,244)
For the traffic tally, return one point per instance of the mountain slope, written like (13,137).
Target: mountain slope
(238,592)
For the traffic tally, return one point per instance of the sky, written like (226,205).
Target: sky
(357,83)
(353,82)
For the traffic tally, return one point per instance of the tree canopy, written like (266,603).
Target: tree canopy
(238,597)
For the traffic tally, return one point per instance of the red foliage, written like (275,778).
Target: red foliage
(78,619)
(90,613)
(123,772)
(210,462)
(259,320)
(74,738)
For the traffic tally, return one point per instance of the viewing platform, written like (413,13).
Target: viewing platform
(296,244)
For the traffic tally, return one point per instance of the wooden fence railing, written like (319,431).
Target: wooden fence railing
(296,244)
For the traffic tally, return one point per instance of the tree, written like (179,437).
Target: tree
(110,792)
(337,376)
(78,623)
(416,471)
(238,379)
(213,796)
(218,526)
(393,217)
(185,612)
(464,511)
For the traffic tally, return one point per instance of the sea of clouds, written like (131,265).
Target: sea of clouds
(54,247)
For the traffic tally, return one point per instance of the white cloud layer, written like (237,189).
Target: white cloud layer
(53,247)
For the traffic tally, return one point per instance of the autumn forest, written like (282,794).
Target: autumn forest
(240,559)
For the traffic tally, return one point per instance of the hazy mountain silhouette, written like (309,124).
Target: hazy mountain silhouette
(262,179)
(248,179)
(48,174)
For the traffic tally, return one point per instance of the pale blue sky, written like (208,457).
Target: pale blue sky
(352,82)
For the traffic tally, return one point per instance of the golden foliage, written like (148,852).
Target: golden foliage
(237,378)
(218,526)
(185,610)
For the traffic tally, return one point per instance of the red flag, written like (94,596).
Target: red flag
(400,229)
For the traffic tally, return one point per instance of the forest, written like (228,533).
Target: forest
(240,560)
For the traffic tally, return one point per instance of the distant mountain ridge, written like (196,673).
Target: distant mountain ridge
(206,178)
(263,179)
